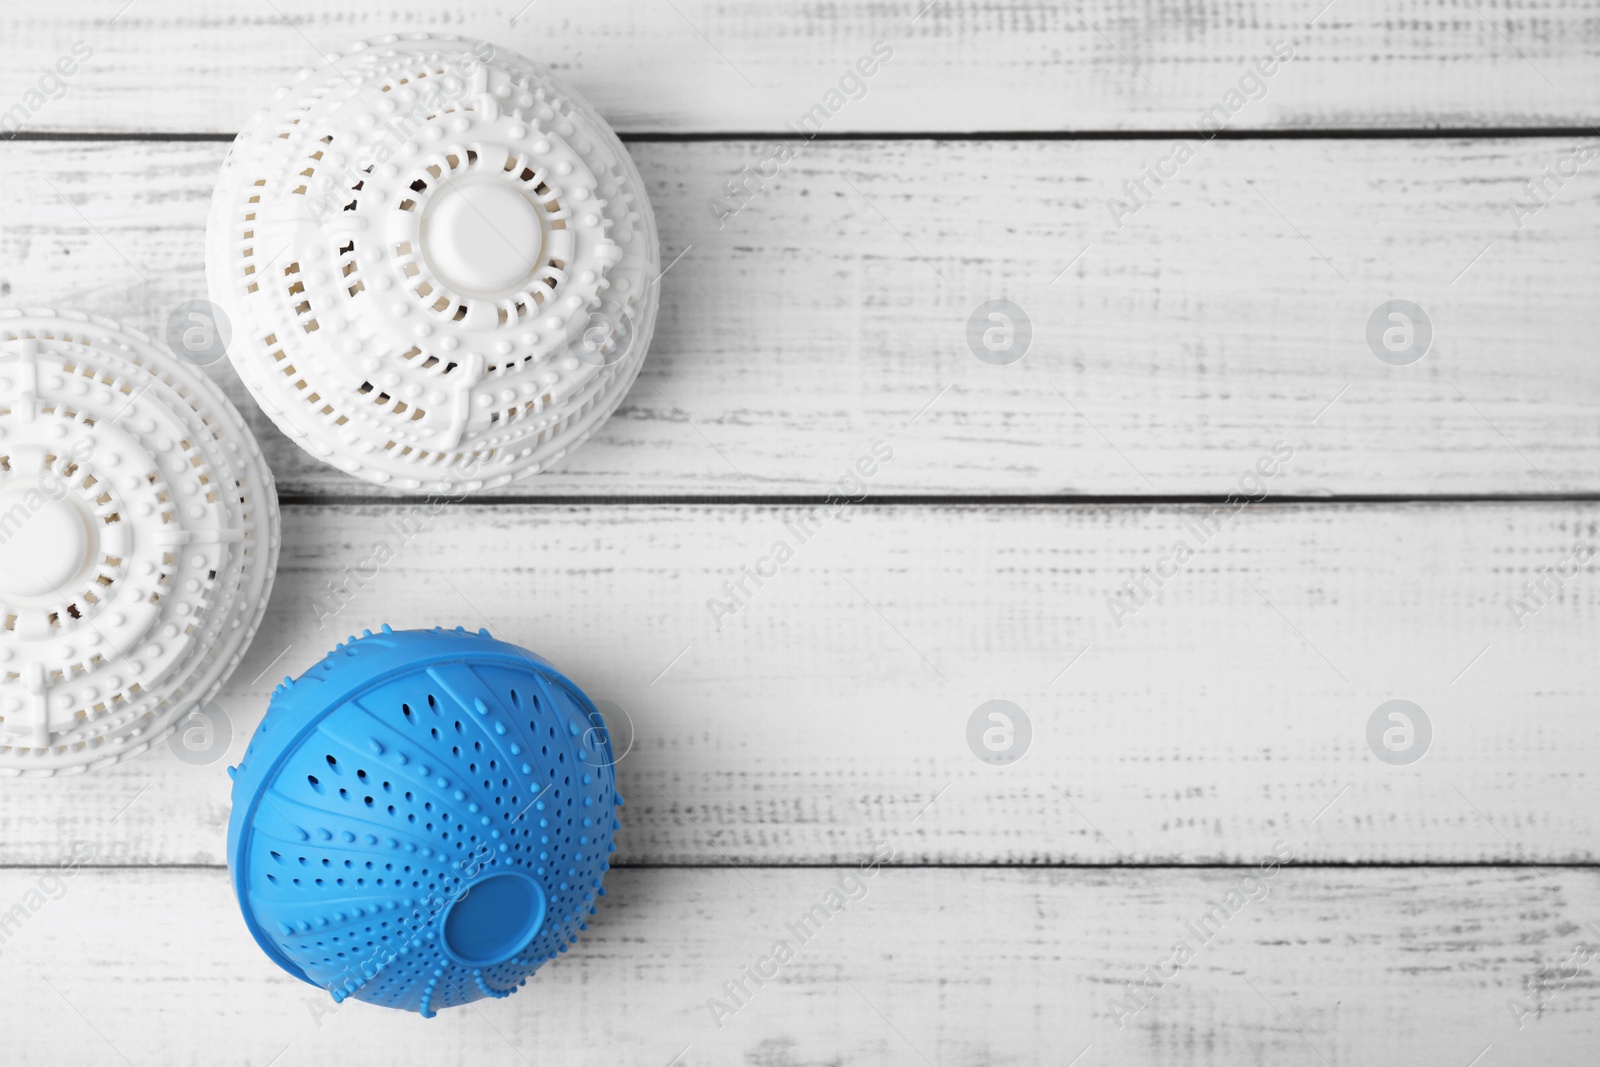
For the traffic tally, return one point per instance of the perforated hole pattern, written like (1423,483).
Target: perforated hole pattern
(138,540)
(341,214)
(400,771)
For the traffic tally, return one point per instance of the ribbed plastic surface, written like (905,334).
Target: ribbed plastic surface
(423,819)
(138,539)
(438,262)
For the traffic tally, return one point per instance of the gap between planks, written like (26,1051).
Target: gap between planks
(1165,361)
(890,500)
(1409,133)
(1308,865)
(806,726)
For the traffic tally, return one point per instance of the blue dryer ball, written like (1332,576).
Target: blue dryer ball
(422,819)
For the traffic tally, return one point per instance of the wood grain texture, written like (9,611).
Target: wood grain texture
(951,968)
(772,749)
(1229,313)
(831,710)
(752,65)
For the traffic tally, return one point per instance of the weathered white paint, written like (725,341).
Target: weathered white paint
(1230,710)
(829,715)
(958,968)
(754,65)
(1165,359)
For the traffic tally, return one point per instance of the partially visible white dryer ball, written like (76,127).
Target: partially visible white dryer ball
(138,540)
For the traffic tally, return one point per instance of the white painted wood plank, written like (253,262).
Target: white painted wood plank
(1165,358)
(832,708)
(753,65)
(952,968)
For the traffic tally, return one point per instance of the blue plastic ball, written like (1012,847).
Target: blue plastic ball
(423,819)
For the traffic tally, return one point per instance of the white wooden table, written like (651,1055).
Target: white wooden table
(826,721)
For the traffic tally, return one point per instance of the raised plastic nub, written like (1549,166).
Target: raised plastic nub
(495,920)
(43,544)
(482,239)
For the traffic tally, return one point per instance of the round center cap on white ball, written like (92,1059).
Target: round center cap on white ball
(42,546)
(131,580)
(482,239)
(439,313)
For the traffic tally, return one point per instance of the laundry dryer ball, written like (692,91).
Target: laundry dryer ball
(438,261)
(423,819)
(138,541)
